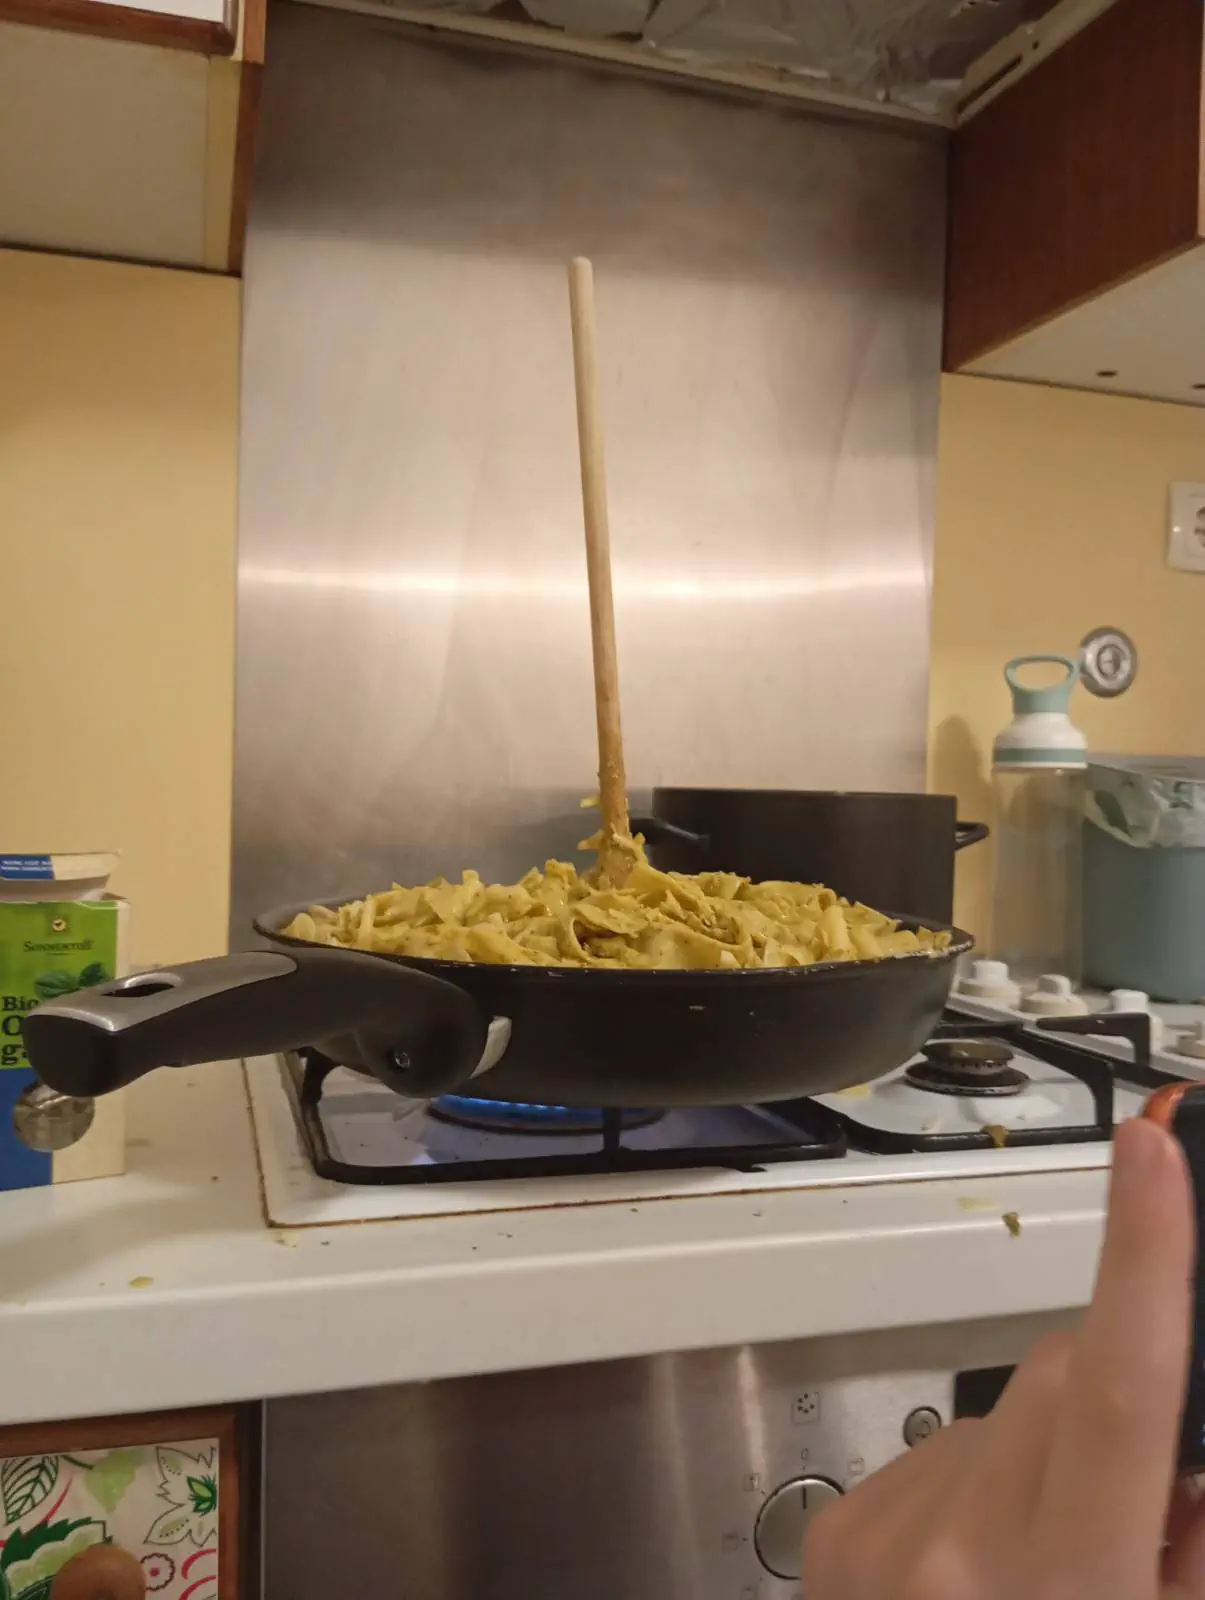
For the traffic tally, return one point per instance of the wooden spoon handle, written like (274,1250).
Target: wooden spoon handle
(613,796)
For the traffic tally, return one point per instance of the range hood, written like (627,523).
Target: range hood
(913,60)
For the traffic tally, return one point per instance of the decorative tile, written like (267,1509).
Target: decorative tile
(158,1501)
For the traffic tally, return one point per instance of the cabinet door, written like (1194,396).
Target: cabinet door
(167,1489)
(1076,182)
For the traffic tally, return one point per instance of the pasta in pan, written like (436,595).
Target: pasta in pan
(560,918)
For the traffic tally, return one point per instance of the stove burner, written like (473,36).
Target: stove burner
(516,1116)
(979,1067)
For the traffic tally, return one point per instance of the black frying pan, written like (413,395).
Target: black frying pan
(560,1035)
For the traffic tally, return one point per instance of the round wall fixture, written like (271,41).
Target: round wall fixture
(1108,662)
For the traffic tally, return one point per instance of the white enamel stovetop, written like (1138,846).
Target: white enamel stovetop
(367,1123)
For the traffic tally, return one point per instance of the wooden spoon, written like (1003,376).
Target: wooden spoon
(615,852)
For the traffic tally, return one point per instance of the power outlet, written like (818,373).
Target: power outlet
(805,1407)
(1186,527)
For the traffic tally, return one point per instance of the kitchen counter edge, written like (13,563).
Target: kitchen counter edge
(167,1287)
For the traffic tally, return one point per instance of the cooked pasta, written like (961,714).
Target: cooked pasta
(560,918)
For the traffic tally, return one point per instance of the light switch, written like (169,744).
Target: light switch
(1186,530)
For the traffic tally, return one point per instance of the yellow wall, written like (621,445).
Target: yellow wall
(118,455)
(1051,520)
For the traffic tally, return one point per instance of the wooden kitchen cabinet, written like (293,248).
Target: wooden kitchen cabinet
(1076,252)
(208,26)
(110,1508)
(129,132)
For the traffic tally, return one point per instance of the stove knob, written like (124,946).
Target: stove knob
(1193,1042)
(1135,1000)
(989,980)
(782,1523)
(1054,997)
(920,1425)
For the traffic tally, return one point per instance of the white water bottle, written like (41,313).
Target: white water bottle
(1038,764)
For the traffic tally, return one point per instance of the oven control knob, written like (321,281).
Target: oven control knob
(1193,1042)
(1131,1000)
(989,980)
(920,1425)
(1054,997)
(782,1523)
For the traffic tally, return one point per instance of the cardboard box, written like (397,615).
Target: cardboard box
(59,931)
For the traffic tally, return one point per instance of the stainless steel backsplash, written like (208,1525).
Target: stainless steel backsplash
(414,662)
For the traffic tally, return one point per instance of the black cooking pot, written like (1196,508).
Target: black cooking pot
(893,850)
(561,1035)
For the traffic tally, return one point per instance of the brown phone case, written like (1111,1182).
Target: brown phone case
(1180,1108)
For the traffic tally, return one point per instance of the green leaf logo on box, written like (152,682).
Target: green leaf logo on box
(50,948)
(49,985)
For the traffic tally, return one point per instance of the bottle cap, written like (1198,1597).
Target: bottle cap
(1041,733)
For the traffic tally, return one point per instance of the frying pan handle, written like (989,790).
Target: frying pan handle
(966,833)
(417,1033)
(656,831)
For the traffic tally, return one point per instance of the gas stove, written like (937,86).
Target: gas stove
(989,1095)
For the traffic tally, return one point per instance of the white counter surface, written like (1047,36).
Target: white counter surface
(167,1288)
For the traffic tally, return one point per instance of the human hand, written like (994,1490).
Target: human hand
(1067,1490)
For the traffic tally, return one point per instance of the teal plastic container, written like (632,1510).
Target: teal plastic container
(1038,765)
(1144,876)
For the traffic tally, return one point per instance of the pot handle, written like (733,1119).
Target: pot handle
(657,831)
(419,1034)
(966,833)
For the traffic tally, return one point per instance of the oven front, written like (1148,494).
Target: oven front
(690,1474)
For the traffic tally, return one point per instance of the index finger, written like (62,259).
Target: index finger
(1113,1451)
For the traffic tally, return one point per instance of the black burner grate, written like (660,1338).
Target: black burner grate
(809,1131)
(806,1132)
(1035,1039)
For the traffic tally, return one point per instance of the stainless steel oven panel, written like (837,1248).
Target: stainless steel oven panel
(627,1480)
